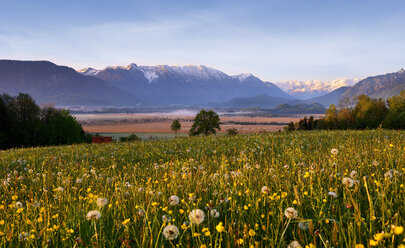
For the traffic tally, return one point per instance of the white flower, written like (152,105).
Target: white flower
(93,215)
(19,204)
(303,225)
(23,236)
(171,232)
(294,244)
(388,175)
(353,174)
(333,194)
(291,213)
(334,151)
(174,200)
(60,189)
(348,182)
(79,180)
(214,213)
(141,212)
(265,190)
(101,202)
(196,216)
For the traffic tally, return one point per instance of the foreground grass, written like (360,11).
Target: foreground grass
(46,193)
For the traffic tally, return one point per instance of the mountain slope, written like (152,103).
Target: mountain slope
(381,86)
(47,82)
(330,98)
(260,101)
(183,85)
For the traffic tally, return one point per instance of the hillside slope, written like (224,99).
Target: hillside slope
(62,85)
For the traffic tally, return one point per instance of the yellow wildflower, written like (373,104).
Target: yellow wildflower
(220,228)
(373,242)
(125,222)
(398,230)
(379,236)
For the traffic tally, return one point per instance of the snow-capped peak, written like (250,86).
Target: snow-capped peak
(401,71)
(150,75)
(311,88)
(88,71)
(243,76)
(132,66)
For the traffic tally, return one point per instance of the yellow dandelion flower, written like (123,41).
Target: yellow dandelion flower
(398,230)
(252,233)
(239,241)
(220,228)
(125,222)
(379,236)
(373,242)
(359,246)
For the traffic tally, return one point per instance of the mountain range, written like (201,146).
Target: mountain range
(314,88)
(50,83)
(182,86)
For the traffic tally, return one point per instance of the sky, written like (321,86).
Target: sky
(276,40)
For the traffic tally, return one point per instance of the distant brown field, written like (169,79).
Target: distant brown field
(160,123)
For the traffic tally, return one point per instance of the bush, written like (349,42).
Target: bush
(132,137)
(232,131)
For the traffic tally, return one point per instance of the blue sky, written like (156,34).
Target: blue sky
(275,40)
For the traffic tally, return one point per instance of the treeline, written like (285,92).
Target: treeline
(24,124)
(363,113)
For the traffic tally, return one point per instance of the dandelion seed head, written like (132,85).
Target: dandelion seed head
(101,202)
(291,213)
(171,232)
(93,215)
(174,200)
(196,216)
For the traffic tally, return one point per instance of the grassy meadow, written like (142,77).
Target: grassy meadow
(297,189)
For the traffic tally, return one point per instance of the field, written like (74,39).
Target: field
(159,123)
(323,189)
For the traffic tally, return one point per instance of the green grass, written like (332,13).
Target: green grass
(223,173)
